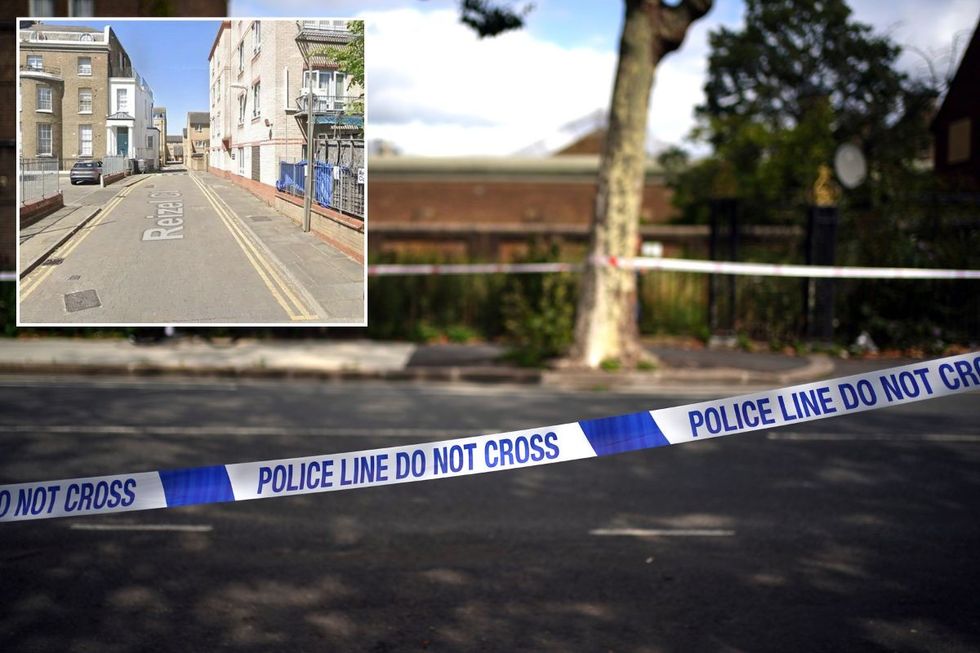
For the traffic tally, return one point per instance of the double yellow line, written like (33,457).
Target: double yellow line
(30,284)
(296,308)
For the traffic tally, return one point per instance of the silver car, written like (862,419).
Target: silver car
(85,171)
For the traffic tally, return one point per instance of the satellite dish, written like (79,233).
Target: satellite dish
(850,166)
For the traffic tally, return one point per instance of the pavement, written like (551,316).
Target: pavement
(180,247)
(367,359)
(41,238)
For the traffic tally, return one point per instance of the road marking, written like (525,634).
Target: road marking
(28,286)
(177,528)
(330,432)
(876,437)
(266,270)
(661,532)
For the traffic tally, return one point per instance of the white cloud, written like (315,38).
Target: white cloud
(436,89)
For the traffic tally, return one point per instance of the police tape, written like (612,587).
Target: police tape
(676,265)
(780,270)
(491,453)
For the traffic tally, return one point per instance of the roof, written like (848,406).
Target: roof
(198,117)
(45,27)
(225,24)
(963,80)
(174,139)
(576,164)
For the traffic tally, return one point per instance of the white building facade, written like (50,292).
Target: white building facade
(256,74)
(129,127)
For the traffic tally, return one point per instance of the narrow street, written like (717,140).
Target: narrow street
(179,247)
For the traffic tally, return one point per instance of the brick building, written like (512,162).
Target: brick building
(492,207)
(257,85)
(89,8)
(197,140)
(8,98)
(160,122)
(175,148)
(956,127)
(105,105)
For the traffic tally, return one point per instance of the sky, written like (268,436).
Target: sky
(180,78)
(436,89)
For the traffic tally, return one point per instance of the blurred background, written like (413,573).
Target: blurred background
(492,153)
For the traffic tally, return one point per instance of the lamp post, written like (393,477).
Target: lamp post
(310,168)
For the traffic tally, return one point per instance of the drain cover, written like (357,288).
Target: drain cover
(75,277)
(259,218)
(79,301)
(54,261)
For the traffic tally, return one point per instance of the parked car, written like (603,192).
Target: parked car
(85,171)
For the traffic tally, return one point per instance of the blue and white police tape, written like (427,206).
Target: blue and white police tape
(492,453)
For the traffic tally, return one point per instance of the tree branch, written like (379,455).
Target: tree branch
(674,19)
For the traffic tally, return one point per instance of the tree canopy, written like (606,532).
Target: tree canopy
(800,78)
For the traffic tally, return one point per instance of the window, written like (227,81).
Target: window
(44,140)
(82,8)
(256,107)
(35,62)
(256,36)
(84,100)
(40,8)
(339,91)
(44,98)
(958,143)
(85,65)
(321,80)
(241,56)
(122,100)
(197,128)
(85,140)
(241,108)
(149,142)
(241,161)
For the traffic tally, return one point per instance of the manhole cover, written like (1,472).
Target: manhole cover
(54,261)
(259,218)
(75,277)
(79,301)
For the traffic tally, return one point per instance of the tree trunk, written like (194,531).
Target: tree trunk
(606,326)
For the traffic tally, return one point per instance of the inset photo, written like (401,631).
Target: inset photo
(203,172)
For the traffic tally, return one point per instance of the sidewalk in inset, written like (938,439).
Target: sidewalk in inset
(332,279)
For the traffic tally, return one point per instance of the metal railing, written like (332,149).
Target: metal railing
(52,35)
(324,104)
(50,70)
(112,165)
(340,176)
(38,180)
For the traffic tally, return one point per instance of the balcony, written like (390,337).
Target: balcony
(49,71)
(324,104)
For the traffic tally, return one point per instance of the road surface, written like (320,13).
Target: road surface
(854,533)
(170,249)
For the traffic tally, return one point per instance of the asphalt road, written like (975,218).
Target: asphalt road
(164,251)
(854,533)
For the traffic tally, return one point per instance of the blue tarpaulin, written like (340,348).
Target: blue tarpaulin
(292,179)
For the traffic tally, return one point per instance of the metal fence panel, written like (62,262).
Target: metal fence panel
(114,164)
(39,179)
(340,178)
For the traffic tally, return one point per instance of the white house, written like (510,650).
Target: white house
(129,127)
